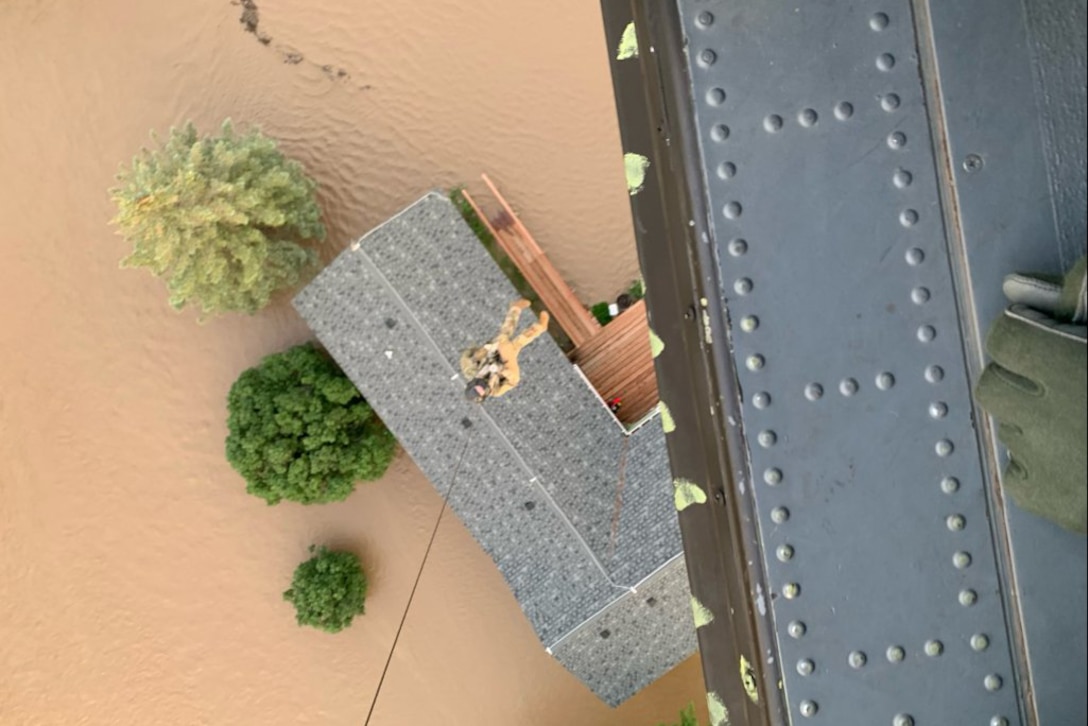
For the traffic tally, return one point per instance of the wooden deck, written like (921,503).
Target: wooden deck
(617,361)
(615,358)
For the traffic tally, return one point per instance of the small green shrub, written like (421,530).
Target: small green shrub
(219,218)
(300,430)
(600,311)
(328,590)
(637,291)
(687,717)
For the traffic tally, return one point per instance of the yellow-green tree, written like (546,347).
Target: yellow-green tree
(220,218)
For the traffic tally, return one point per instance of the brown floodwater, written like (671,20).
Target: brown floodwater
(139,583)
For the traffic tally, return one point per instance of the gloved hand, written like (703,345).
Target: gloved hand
(1036,390)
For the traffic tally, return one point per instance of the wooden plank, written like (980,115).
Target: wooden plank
(557,296)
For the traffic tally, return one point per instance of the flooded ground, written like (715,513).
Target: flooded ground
(140,584)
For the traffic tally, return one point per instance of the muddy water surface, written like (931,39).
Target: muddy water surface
(139,584)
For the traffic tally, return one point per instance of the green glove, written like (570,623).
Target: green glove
(1036,391)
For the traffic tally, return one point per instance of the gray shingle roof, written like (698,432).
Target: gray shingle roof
(539,483)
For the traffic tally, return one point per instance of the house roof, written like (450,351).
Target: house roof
(575,510)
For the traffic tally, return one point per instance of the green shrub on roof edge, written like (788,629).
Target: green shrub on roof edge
(687,717)
(299,430)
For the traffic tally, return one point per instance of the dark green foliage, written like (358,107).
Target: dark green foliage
(637,291)
(600,311)
(219,218)
(513,274)
(687,717)
(328,590)
(301,431)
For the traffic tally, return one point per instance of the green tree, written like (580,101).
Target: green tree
(328,590)
(300,430)
(219,218)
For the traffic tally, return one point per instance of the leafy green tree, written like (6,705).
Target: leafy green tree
(300,430)
(328,590)
(687,717)
(219,218)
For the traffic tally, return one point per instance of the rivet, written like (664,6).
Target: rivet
(938,409)
(885,61)
(897,140)
(732,210)
(727,170)
(772,123)
(908,217)
(914,256)
(707,57)
(934,648)
(944,447)
(719,133)
(715,96)
(808,709)
(992,682)
(737,247)
(791,590)
(972,163)
(950,485)
(767,438)
(814,391)
(772,476)
(749,323)
(934,374)
(927,333)
(856,659)
(848,387)
(999,721)
(919,295)
(761,399)
(902,178)
(780,515)
(903,719)
(885,380)
(796,629)
(807,118)
(704,19)
(955,522)
(968,598)
(961,560)
(784,553)
(844,110)
(889,102)
(805,667)
(755,362)
(879,21)
(980,642)
(895,654)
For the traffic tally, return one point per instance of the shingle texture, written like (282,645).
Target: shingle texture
(574,512)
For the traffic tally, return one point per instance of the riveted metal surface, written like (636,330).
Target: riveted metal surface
(1012,96)
(823,200)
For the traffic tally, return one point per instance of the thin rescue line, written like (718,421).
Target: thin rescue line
(419,575)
